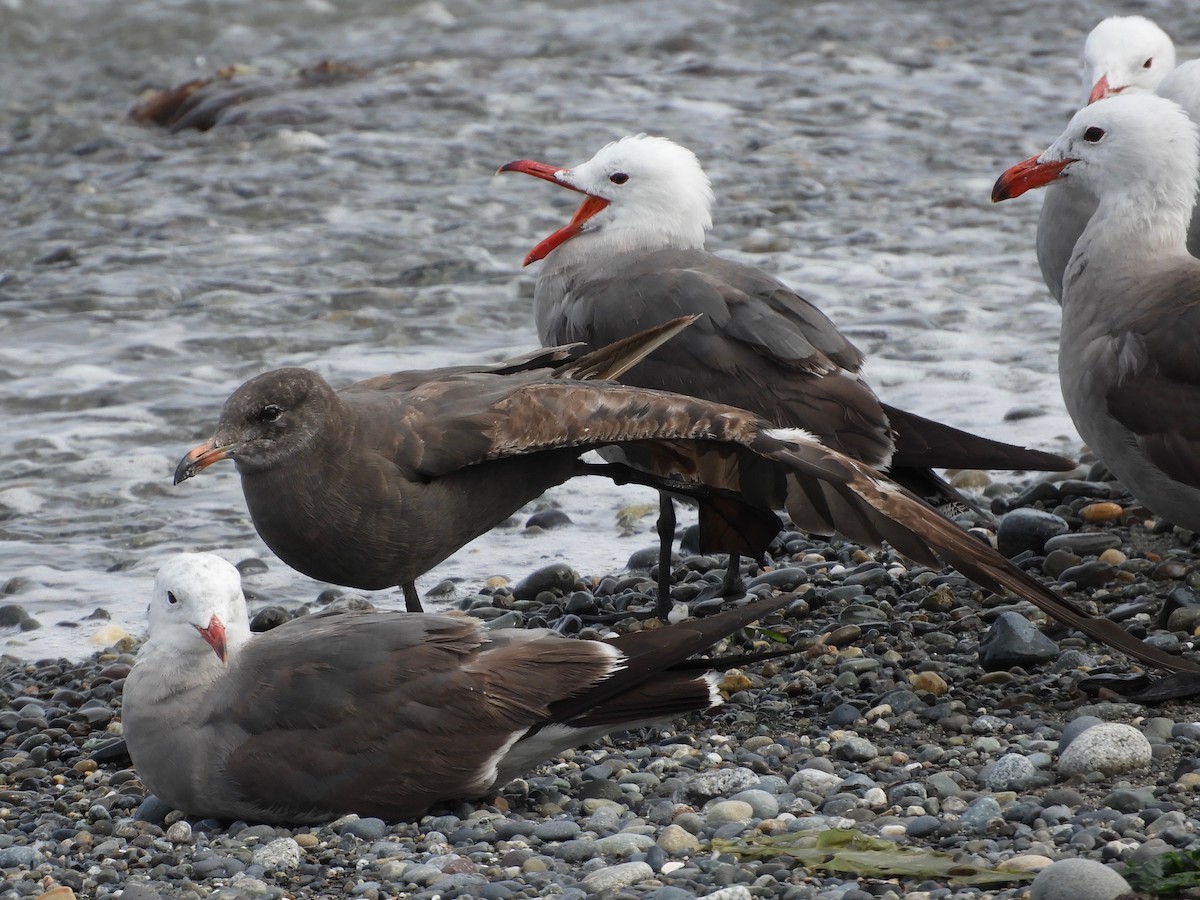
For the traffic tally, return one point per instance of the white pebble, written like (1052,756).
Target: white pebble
(279,855)
(1111,749)
(618,876)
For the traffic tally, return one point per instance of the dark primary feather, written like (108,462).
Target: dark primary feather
(381,485)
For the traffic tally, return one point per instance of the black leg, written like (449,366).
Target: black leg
(412,600)
(733,577)
(666,540)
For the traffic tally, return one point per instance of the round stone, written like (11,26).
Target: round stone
(725,811)
(616,877)
(1071,879)
(929,681)
(1101,512)
(1027,529)
(279,855)
(678,841)
(1110,748)
(814,781)
(1008,769)
(720,782)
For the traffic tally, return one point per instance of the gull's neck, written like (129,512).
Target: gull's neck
(613,237)
(1130,226)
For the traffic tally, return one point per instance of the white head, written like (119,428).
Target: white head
(1137,154)
(643,192)
(198,611)
(1125,53)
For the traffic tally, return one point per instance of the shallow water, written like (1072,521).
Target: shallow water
(359,229)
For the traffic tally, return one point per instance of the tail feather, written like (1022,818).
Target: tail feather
(649,653)
(924,443)
(868,508)
(933,488)
(613,360)
(658,698)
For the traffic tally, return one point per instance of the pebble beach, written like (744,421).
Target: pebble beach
(925,741)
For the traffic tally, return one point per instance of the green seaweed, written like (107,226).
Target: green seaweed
(849,851)
(1166,874)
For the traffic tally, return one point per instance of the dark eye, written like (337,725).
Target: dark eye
(171,598)
(1148,63)
(1093,134)
(618,178)
(269,413)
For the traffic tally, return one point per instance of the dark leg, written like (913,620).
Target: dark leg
(412,600)
(732,582)
(666,540)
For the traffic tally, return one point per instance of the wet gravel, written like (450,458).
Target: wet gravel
(358,229)
(892,719)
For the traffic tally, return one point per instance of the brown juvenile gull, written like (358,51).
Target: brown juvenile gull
(633,256)
(1122,54)
(380,713)
(375,484)
(1129,352)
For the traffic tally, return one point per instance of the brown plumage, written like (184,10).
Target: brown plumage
(375,484)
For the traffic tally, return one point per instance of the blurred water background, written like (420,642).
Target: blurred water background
(357,228)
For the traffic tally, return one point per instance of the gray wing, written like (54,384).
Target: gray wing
(1160,378)
(382,713)
(758,345)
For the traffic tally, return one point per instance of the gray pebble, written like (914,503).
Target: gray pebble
(558,577)
(980,813)
(1013,640)
(557,830)
(618,876)
(923,826)
(725,811)
(1009,768)
(1076,727)
(367,829)
(814,781)
(1083,543)
(575,851)
(855,749)
(763,805)
(623,844)
(1110,748)
(720,782)
(421,874)
(1027,529)
(12,614)
(548,518)
(280,855)
(1073,879)
(13,857)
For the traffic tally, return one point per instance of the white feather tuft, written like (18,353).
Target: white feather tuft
(795,435)
(714,689)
